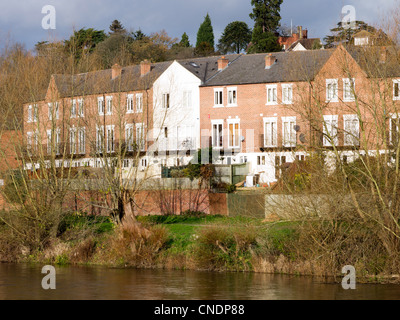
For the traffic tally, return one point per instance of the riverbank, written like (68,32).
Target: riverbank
(211,243)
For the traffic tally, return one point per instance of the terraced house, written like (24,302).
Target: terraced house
(273,109)
(266,110)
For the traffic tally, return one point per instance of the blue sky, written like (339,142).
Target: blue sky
(22,22)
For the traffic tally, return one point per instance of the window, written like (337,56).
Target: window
(331,90)
(289,133)
(139,102)
(234,131)
(140,138)
(217,133)
(126,163)
(73,109)
(50,108)
(29,140)
(144,162)
(165,132)
(109,104)
(57,111)
(129,103)
(35,113)
(330,129)
(348,89)
(49,142)
(81,141)
(187,99)
(72,140)
(165,101)
(272,96)
(287,93)
(99,139)
(57,141)
(232,96)
(351,130)
(394,130)
(30,113)
(218,97)
(100,105)
(396,89)
(81,111)
(110,139)
(270,132)
(129,137)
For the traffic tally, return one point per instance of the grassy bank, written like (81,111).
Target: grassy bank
(214,243)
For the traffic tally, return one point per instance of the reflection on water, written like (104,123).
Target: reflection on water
(76,283)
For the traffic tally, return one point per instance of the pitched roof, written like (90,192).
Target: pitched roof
(101,81)
(206,67)
(306,43)
(376,61)
(289,67)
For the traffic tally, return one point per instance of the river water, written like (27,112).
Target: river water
(19,281)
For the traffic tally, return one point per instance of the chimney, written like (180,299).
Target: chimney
(222,63)
(145,67)
(300,29)
(116,70)
(383,55)
(269,61)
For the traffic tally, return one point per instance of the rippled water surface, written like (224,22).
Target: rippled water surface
(76,283)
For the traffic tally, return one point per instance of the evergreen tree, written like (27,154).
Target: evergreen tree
(185,41)
(266,15)
(116,28)
(235,37)
(205,33)
(339,34)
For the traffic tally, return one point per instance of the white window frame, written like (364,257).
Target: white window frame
(109,105)
(218,97)
(82,142)
(348,90)
(57,140)
(347,134)
(129,136)
(329,92)
(30,113)
(49,142)
(232,97)
(50,111)
(99,139)
(187,100)
(289,140)
(220,135)
(140,136)
(272,132)
(110,141)
(397,118)
(73,109)
(231,144)
(72,140)
(100,106)
(330,130)
(139,102)
(29,139)
(396,82)
(81,108)
(129,103)
(272,92)
(287,93)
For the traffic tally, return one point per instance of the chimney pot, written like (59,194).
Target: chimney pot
(222,63)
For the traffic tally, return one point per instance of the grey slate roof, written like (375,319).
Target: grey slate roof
(291,66)
(98,82)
